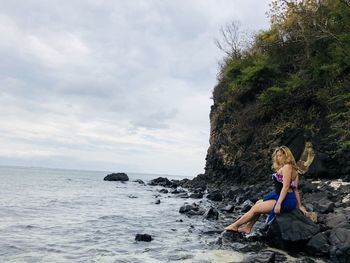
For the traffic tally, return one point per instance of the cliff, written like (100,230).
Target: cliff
(290,87)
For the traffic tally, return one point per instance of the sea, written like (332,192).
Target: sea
(57,215)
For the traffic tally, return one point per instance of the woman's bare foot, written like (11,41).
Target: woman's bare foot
(245,229)
(232,227)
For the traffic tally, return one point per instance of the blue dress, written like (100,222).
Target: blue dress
(289,203)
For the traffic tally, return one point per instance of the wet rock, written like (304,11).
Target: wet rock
(228,208)
(230,237)
(261,257)
(215,196)
(318,245)
(307,187)
(246,206)
(116,177)
(183,195)
(140,181)
(340,244)
(193,209)
(211,213)
(196,195)
(324,206)
(143,237)
(233,192)
(333,220)
(161,181)
(163,191)
(291,231)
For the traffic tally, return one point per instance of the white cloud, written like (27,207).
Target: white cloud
(122,85)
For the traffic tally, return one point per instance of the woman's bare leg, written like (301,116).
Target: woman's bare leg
(248,227)
(260,208)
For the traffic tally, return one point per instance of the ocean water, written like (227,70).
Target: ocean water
(53,215)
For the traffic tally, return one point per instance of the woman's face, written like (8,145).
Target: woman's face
(280,157)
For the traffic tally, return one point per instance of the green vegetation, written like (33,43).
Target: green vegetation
(297,73)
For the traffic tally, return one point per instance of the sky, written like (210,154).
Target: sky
(116,85)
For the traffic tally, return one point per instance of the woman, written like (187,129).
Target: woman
(285,198)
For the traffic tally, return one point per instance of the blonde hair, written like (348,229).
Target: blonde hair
(288,160)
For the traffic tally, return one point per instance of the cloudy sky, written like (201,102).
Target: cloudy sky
(112,85)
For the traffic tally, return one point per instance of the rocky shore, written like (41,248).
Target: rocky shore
(324,238)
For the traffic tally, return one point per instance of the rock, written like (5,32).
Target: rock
(340,244)
(246,206)
(261,257)
(183,195)
(193,209)
(157,202)
(215,196)
(291,231)
(324,206)
(161,181)
(318,245)
(116,177)
(196,195)
(175,191)
(307,187)
(211,213)
(228,208)
(143,237)
(233,192)
(140,181)
(164,191)
(228,237)
(333,220)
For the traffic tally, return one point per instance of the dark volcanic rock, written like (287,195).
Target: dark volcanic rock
(215,196)
(196,195)
(318,245)
(161,181)
(164,191)
(340,243)
(193,209)
(116,177)
(211,213)
(143,237)
(261,257)
(246,206)
(291,231)
(228,208)
(140,181)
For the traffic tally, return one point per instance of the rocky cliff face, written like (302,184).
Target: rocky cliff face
(241,146)
(290,87)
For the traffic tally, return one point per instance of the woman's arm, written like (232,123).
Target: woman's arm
(287,177)
(297,196)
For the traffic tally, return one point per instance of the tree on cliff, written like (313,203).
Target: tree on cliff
(294,76)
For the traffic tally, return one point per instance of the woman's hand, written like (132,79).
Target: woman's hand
(302,209)
(277,209)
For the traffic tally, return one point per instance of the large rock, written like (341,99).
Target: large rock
(291,231)
(116,177)
(161,181)
(318,245)
(340,243)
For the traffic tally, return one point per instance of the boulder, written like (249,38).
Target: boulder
(116,177)
(211,213)
(193,209)
(161,181)
(318,245)
(291,231)
(261,257)
(340,243)
(215,196)
(143,237)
